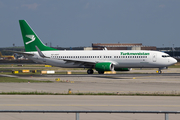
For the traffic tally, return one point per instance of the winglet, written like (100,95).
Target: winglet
(40,53)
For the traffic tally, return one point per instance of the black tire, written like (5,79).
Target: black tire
(101,72)
(90,71)
(159,71)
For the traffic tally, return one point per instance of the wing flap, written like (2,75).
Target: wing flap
(79,62)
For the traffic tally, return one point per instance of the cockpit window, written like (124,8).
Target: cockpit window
(165,56)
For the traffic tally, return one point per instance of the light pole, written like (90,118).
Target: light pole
(173,50)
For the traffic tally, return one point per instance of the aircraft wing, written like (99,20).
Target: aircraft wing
(85,63)
(75,62)
(80,62)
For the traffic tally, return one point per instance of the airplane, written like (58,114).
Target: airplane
(100,60)
(7,56)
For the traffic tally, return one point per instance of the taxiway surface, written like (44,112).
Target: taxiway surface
(147,82)
(119,83)
(70,102)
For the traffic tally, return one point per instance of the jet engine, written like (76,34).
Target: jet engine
(104,66)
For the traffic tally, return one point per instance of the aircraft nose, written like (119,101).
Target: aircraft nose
(174,61)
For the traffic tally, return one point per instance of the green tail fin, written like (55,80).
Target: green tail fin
(31,39)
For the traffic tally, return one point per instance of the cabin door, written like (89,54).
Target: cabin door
(154,57)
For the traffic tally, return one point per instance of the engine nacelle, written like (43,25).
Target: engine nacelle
(104,66)
(122,69)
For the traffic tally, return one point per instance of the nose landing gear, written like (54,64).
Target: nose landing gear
(160,70)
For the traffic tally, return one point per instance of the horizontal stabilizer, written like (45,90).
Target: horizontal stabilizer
(23,53)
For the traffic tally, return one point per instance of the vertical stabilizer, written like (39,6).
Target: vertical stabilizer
(31,39)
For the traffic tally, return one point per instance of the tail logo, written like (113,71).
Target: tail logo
(31,37)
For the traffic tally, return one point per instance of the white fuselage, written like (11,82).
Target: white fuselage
(120,58)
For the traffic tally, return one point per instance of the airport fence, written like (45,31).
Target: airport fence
(166,113)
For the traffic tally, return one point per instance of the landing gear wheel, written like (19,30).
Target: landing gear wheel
(101,72)
(159,71)
(90,71)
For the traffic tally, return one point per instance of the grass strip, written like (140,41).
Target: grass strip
(99,94)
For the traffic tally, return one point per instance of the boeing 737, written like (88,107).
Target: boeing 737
(100,60)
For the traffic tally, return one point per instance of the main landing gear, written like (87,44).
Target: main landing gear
(90,71)
(101,72)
